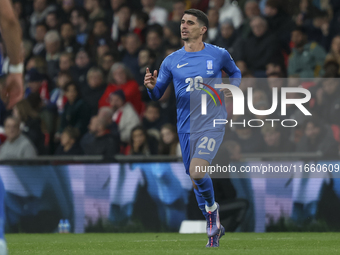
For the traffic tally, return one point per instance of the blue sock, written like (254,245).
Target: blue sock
(206,189)
(2,209)
(201,202)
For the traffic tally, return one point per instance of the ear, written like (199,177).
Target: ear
(203,30)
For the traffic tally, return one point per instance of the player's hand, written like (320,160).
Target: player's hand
(227,92)
(13,91)
(149,79)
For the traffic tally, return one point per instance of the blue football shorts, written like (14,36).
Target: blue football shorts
(203,145)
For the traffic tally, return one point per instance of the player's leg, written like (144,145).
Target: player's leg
(200,200)
(3,249)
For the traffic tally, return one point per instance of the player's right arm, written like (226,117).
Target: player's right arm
(156,86)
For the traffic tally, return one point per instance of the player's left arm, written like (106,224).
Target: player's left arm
(11,33)
(234,73)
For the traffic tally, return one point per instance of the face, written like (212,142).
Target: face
(167,136)
(272,68)
(190,28)
(124,14)
(39,5)
(143,58)
(119,76)
(34,86)
(213,17)
(275,82)
(12,129)
(330,86)
(107,62)
(336,45)
(93,124)
(66,31)
(102,50)
(218,3)
(71,93)
(62,80)
(51,20)
(153,41)
(227,30)
(115,4)
(132,44)
(116,102)
(258,26)
(74,18)
(64,63)
(82,59)
(178,9)
(94,79)
(270,11)
(68,5)
(251,9)
(272,138)
(52,47)
(152,114)
(40,32)
(312,131)
(298,38)
(138,137)
(148,3)
(65,139)
(89,5)
(99,28)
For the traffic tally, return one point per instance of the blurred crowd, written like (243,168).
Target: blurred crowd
(85,62)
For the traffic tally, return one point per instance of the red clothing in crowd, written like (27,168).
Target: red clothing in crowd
(131,91)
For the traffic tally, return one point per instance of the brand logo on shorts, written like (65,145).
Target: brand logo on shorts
(201,153)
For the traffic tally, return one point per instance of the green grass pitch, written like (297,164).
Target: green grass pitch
(173,243)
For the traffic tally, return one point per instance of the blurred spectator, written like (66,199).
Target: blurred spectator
(250,139)
(52,21)
(228,10)
(106,113)
(30,124)
(251,10)
(178,8)
(79,20)
(39,47)
(124,115)
(17,145)
(141,143)
(275,141)
(58,99)
(121,78)
(35,81)
(156,14)
(104,143)
(327,103)
(202,5)
(306,12)
(168,105)
(66,7)
(234,150)
(279,22)
(76,112)
(106,62)
(154,43)
(40,11)
(88,138)
(130,57)
(68,143)
(213,30)
(146,58)
(259,48)
(172,35)
(52,46)
(227,36)
(317,29)
(140,28)
(306,59)
(152,116)
(121,23)
(94,89)
(83,64)
(169,144)
(318,138)
(334,54)
(94,10)
(65,62)
(38,63)
(68,37)
(274,67)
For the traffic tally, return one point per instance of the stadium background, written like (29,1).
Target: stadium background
(105,46)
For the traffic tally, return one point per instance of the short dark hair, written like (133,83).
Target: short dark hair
(201,16)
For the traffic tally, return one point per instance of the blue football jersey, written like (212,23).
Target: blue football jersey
(190,73)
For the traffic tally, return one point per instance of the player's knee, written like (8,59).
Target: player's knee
(195,174)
